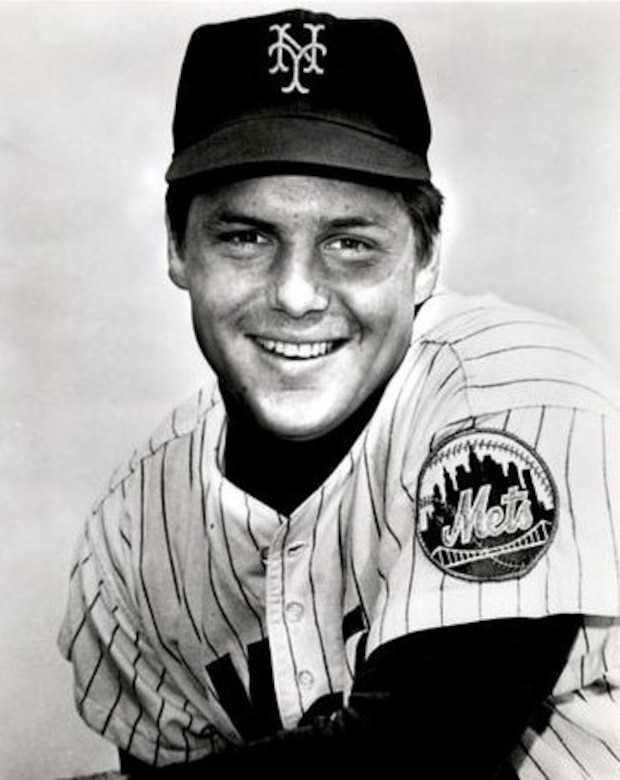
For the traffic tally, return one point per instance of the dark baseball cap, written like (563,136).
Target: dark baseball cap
(298,90)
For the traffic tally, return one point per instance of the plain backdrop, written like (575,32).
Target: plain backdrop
(95,343)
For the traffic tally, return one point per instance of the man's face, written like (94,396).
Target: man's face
(302,292)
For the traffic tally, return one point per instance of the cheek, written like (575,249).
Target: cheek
(389,308)
(216,290)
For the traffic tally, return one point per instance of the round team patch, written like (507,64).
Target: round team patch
(486,506)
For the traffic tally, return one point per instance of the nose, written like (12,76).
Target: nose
(298,286)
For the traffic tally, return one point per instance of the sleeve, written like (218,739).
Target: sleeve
(397,711)
(515,501)
(123,688)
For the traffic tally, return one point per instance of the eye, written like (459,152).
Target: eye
(243,237)
(350,247)
(242,242)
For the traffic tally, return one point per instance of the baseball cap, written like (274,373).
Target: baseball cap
(299,90)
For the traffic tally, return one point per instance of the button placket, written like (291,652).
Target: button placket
(283,656)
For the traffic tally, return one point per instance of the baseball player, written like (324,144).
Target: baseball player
(388,523)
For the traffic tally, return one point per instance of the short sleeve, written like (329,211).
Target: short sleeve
(123,689)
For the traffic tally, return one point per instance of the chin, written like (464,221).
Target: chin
(298,422)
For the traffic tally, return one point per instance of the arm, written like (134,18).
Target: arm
(452,702)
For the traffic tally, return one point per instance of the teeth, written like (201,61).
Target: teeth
(304,351)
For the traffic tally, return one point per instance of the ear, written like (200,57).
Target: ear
(177,264)
(426,275)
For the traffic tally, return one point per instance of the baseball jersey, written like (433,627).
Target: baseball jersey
(486,485)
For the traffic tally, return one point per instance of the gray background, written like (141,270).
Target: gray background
(95,343)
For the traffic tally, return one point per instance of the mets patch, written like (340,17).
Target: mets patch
(486,506)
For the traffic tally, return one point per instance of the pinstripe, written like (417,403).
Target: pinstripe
(533,347)
(531,758)
(315,611)
(91,678)
(190,458)
(78,565)
(220,607)
(159,717)
(543,411)
(508,324)
(442,605)
(164,520)
(82,622)
(386,584)
(388,454)
(145,591)
(410,584)
(563,743)
(191,617)
(369,487)
(342,552)
(604,470)
(448,377)
(185,729)
(125,538)
(570,504)
(115,704)
(248,523)
(586,640)
(341,544)
(540,380)
(358,590)
(204,490)
(232,565)
(134,684)
(173,424)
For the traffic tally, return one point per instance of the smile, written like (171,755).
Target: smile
(297,350)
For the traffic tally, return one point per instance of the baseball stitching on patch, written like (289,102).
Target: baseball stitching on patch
(486,506)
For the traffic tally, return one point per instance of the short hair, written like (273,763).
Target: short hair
(421,199)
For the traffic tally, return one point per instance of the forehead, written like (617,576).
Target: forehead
(294,196)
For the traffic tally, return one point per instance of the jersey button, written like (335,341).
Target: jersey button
(305,679)
(294,611)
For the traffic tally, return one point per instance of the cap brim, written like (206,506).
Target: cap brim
(265,143)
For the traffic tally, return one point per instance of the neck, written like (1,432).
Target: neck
(279,472)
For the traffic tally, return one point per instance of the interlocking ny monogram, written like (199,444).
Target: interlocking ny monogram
(303,58)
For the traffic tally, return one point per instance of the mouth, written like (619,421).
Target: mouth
(294,350)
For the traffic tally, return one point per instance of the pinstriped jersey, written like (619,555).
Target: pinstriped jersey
(486,485)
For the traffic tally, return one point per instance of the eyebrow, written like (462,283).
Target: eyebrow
(357,221)
(232,217)
(226,216)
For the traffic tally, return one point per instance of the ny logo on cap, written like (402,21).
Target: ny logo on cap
(303,58)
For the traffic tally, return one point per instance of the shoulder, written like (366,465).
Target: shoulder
(511,355)
(178,435)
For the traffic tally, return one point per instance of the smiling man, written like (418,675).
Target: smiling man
(388,527)
(303,290)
